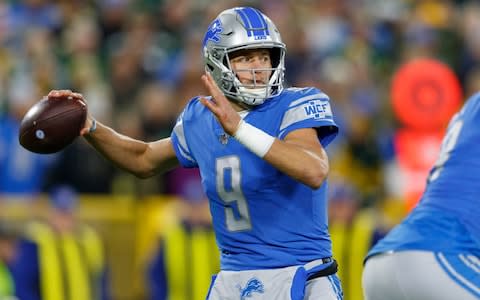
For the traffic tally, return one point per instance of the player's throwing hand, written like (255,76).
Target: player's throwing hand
(59,94)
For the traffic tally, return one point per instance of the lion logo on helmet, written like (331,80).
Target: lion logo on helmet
(212,32)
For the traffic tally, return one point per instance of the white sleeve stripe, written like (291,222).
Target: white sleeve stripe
(319,96)
(178,129)
(184,154)
(298,113)
(292,116)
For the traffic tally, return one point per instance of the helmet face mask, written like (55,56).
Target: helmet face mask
(237,29)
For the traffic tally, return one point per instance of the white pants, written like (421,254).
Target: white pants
(274,284)
(422,275)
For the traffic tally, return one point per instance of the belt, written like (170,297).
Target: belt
(327,260)
(330,270)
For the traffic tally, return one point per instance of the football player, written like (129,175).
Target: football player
(435,252)
(260,151)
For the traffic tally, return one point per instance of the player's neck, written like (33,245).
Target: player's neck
(238,106)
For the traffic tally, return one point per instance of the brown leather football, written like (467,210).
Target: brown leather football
(52,124)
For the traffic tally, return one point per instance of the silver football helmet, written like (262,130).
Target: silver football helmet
(237,29)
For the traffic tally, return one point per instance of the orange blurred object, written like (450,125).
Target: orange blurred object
(425,94)
(416,153)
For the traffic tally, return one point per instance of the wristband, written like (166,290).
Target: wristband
(93,127)
(254,139)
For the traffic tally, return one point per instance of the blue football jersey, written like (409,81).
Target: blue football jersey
(262,217)
(448,215)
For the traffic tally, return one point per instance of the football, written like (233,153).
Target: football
(52,124)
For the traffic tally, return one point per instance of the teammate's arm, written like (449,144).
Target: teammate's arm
(137,157)
(300,155)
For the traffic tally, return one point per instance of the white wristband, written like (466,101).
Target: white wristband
(256,140)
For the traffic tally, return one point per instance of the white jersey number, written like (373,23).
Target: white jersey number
(448,145)
(228,177)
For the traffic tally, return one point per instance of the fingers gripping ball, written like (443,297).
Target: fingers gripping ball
(52,124)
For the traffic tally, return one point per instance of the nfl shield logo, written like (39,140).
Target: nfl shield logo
(224,138)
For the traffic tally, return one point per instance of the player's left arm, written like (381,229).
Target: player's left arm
(300,155)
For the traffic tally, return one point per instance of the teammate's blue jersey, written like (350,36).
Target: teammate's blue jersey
(448,215)
(262,217)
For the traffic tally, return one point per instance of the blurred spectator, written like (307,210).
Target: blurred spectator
(82,55)
(343,202)
(8,251)
(21,172)
(157,110)
(114,51)
(94,177)
(61,258)
(187,255)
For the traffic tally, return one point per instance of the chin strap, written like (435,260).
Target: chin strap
(254,96)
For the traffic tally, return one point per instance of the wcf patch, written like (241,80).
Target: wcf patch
(317,109)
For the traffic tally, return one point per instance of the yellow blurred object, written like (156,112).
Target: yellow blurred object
(7,287)
(393,211)
(134,227)
(191,255)
(351,243)
(434,13)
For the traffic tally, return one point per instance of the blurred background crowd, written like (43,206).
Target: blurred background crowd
(138,62)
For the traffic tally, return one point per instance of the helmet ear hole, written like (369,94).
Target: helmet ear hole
(225,61)
(275,55)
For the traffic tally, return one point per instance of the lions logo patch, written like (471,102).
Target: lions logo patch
(212,32)
(253,285)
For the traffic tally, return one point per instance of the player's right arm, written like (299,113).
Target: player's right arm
(140,158)
(137,157)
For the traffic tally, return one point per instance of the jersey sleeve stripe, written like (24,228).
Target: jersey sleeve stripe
(185,155)
(185,161)
(182,143)
(305,110)
(322,96)
(178,130)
